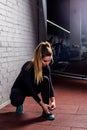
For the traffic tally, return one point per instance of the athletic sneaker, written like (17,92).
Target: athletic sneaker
(19,109)
(48,116)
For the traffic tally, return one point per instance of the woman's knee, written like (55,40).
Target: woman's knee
(46,82)
(46,79)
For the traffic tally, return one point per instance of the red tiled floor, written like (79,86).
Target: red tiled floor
(70,114)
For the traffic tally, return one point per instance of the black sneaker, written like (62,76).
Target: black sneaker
(48,116)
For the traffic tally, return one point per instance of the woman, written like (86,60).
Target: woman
(35,78)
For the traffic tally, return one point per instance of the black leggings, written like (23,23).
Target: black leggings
(17,97)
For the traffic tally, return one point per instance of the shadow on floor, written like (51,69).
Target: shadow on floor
(11,120)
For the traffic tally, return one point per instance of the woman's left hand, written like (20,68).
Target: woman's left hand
(52,106)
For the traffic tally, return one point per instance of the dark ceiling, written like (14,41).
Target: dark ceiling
(58,11)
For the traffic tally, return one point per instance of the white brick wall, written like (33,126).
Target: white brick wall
(18,36)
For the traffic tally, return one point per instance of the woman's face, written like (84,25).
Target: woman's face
(46,60)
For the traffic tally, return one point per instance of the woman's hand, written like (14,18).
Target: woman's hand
(52,106)
(45,107)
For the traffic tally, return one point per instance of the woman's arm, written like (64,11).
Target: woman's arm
(28,78)
(52,97)
(52,104)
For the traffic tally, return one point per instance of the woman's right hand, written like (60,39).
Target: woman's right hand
(45,107)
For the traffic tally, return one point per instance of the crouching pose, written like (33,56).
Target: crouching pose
(35,78)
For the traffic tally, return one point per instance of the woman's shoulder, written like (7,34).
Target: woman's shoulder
(27,65)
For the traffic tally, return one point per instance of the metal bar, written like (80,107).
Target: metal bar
(58,26)
(70,75)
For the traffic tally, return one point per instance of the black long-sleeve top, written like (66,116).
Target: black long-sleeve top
(25,81)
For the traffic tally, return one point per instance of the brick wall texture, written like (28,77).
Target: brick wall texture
(18,37)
